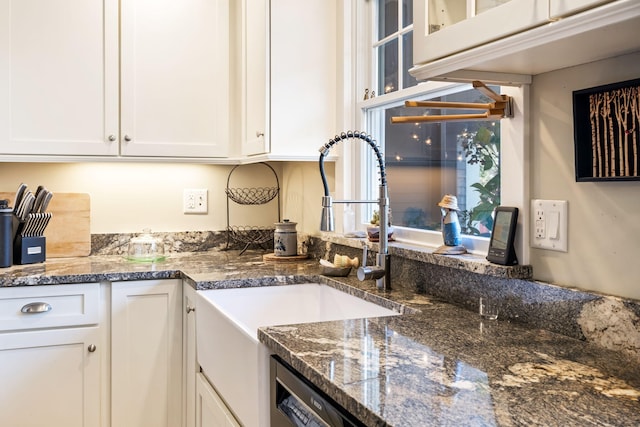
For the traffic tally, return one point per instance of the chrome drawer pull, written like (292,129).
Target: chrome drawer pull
(36,307)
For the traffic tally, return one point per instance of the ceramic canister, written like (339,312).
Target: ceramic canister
(285,239)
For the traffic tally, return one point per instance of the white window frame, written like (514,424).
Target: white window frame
(515,179)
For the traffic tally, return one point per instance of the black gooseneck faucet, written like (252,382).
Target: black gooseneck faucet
(381,272)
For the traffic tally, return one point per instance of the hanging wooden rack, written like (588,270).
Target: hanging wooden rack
(501,107)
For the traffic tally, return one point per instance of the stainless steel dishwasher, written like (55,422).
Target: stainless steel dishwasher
(296,402)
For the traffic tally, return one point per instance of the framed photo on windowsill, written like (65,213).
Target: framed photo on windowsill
(606,129)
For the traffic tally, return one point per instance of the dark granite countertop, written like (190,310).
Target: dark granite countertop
(202,269)
(437,364)
(445,366)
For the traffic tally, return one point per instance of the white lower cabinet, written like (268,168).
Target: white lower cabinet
(101,354)
(146,353)
(50,378)
(190,365)
(210,409)
(50,356)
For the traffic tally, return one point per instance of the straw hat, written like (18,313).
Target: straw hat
(449,202)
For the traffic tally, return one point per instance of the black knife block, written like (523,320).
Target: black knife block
(29,250)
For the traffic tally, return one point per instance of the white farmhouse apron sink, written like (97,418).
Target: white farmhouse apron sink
(228,350)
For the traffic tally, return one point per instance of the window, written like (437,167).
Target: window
(427,160)
(394,35)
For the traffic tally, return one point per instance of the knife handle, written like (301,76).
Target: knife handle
(45,201)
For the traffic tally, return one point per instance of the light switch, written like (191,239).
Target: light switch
(554,222)
(549,224)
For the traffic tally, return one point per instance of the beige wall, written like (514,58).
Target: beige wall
(604,225)
(128,197)
(302,195)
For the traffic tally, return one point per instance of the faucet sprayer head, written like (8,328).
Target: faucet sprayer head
(327,222)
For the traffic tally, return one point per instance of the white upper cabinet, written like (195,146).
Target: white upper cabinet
(518,38)
(449,27)
(136,78)
(254,74)
(174,78)
(288,77)
(58,77)
(561,8)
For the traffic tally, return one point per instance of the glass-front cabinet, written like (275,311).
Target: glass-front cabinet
(445,27)
(442,13)
(561,8)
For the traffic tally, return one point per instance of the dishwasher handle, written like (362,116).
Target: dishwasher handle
(285,382)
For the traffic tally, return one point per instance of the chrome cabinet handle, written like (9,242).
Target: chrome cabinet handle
(127,138)
(112,138)
(36,307)
(91,348)
(259,134)
(190,309)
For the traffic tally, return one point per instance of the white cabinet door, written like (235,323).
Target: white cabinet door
(210,409)
(289,77)
(561,8)
(255,76)
(50,355)
(64,92)
(146,353)
(58,77)
(191,367)
(303,76)
(441,36)
(175,78)
(50,378)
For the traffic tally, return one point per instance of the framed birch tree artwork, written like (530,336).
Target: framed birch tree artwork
(606,121)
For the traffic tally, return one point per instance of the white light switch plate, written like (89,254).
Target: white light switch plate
(549,224)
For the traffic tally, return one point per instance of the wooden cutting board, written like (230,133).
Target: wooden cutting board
(69,232)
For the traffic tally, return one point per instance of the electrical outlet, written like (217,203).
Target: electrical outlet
(539,222)
(549,225)
(195,201)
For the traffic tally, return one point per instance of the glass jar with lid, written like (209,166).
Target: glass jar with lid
(146,248)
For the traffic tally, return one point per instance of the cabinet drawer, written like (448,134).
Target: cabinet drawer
(49,306)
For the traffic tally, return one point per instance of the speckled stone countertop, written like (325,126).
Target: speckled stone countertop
(436,364)
(202,269)
(445,366)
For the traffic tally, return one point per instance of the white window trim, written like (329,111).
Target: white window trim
(430,238)
(351,175)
